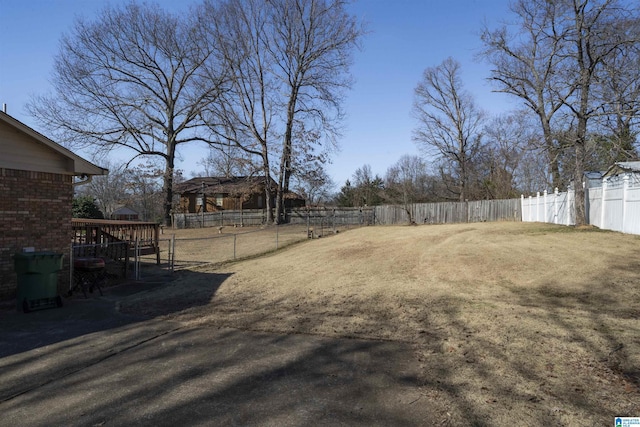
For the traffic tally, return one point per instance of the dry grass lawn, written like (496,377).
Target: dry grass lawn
(512,323)
(199,246)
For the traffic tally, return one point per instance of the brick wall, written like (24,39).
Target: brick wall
(35,211)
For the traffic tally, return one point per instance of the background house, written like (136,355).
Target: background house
(234,193)
(620,170)
(125,213)
(36,183)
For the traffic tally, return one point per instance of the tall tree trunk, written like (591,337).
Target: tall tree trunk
(463,176)
(168,192)
(552,151)
(287,152)
(280,191)
(581,218)
(268,189)
(580,149)
(279,204)
(168,181)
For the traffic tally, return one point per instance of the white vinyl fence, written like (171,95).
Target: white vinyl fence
(555,208)
(614,206)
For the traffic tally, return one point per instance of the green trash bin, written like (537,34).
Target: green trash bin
(37,280)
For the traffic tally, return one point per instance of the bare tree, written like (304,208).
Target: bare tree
(144,185)
(228,161)
(311,43)
(245,116)
(133,79)
(289,60)
(618,92)
(407,182)
(450,124)
(576,39)
(526,65)
(508,138)
(367,187)
(313,183)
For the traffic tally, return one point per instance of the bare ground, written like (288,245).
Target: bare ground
(512,323)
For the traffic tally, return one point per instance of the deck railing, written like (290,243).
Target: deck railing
(104,231)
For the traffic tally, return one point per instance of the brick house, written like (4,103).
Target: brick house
(36,184)
(233,193)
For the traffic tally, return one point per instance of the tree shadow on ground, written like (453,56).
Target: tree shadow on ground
(548,354)
(227,377)
(81,316)
(587,337)
(45,344)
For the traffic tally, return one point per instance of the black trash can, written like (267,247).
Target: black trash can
(37,280)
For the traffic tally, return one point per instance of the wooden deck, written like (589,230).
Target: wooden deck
(105,232)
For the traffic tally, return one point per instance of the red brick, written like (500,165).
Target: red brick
(35,211)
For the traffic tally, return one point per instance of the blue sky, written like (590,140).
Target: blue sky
(405,38)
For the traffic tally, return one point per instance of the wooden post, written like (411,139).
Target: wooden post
(156,244)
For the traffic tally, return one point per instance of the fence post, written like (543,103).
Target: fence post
(172,257)
(602,205)
(333,221)
(555,205)
(71,267)
(569,205)
(136,261)
(625,187)
(466,204)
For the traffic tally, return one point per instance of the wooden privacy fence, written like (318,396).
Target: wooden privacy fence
(245,217)
(333,217)
(450,212)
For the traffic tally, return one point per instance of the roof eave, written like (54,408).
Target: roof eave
(81,167)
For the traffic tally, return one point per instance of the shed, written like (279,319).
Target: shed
(593,179)
(36,182)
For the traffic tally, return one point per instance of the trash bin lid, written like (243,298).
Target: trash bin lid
(40,254)
(37,262)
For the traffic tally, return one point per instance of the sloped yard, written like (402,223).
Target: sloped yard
(532,321)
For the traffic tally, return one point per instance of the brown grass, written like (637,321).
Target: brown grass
(210,245)
(509,321)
